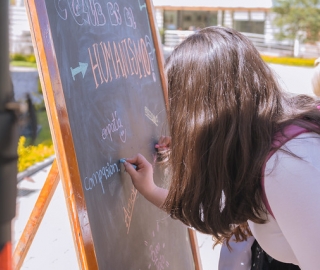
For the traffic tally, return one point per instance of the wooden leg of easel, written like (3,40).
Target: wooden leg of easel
(195,249)
(36,216)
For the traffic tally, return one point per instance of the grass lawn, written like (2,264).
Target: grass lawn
(23,64)
(44,135)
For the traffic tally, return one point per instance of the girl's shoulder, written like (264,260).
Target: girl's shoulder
(294,165)
(305,146)
(297,158)
(294,141)
(292,189)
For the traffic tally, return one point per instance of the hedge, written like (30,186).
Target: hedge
(289,61)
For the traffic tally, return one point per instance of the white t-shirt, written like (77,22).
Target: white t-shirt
(239,258)
(292,187)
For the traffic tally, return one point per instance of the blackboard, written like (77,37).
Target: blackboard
(102,74)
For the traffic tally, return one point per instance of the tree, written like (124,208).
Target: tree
(298,19)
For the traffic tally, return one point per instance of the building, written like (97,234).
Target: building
(176,19)
(245,16)
(19,29)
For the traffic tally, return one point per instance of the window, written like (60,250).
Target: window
(249,22)
(188,19)
(170,19)
(256,27)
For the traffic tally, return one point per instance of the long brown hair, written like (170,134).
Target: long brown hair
(225,107)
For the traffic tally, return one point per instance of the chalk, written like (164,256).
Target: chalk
(122,160)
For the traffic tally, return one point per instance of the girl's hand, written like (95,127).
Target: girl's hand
(142,176)
(164,143)
(142,179)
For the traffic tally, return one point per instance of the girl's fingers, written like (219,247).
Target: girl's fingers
(130,169)
(164,143)
(138,160)
(131,160)
(160,146)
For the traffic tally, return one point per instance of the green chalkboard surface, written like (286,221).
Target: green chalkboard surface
(100,63)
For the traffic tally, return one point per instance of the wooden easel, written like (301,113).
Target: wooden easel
(66,166)
(36,217)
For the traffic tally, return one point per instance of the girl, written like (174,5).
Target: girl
(227,113)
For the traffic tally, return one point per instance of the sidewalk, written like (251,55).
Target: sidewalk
(52,247)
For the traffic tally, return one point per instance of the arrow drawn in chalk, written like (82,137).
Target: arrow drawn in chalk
(142,6)
(81,68)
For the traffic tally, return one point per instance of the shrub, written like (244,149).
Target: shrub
(31,58)
(18,57)
(23,57)
(30,155)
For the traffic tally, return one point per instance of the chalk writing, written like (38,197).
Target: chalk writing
(151,116)
(114,126)
(142,6)
(120,59)
(82,68)
(103,174)
(157,258)
(151,51)
(84,12)
(129,18)
(114,14)
(156,254)
(129,209)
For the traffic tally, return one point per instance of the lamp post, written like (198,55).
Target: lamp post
(9,135)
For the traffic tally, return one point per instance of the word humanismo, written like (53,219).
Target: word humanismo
(113,60)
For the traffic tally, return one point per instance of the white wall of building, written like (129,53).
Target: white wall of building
(221,4)
(19,30)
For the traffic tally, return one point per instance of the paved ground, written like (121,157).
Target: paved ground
(294,79)
(25,80)
(53,245)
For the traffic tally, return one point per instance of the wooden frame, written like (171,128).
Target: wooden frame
(62,135)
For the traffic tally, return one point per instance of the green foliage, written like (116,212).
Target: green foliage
(39,106)
(289,61)
(42,148)
(298,19)
(31,58)
(23,57)
(18,57)
(22,60)
(30,155)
